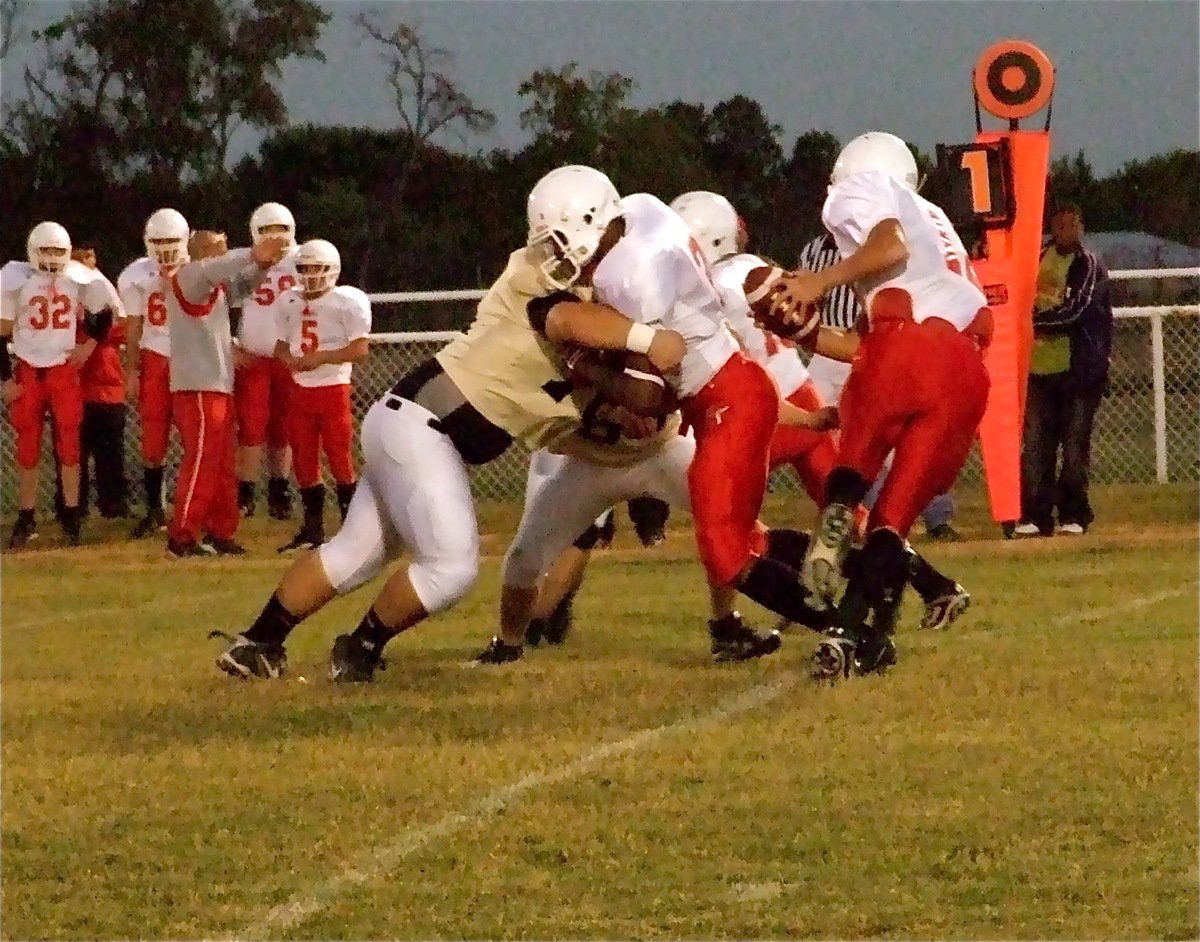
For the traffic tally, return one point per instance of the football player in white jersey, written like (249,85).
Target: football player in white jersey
(148,350)
(647,266)
(917,384)
(813,454)
(262,383)
(323,329)
(42,303)
(464,406)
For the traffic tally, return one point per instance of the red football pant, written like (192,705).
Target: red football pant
(813,454)
(154,406)
(321,419)
(733,418)
(262,389)
(55,388)
(206,492)
(920,389)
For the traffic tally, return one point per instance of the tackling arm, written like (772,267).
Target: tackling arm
(563,319)
(641,392)
(885,248)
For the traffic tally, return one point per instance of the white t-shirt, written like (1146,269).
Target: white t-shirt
(330,322)
(779,357)
(257,333)
(656,275)
(141,288)
(937,279)
(46,308)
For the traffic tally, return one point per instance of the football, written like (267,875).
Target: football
(774,309)
(643,390)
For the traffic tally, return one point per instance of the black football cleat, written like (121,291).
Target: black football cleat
(179,549)
(154,521)
(733,640)
(218,546)
(244,658)
(498,652)
(24,530)
(306,538)
(874,655)
(833,660)
(352,662)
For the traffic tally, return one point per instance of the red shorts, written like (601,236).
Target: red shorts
(261,391)
(920,389)
(55,388)
(321,419)
(812,454)
(733,418)
(154,406)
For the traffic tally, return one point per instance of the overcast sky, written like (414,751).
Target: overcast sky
(1127,72)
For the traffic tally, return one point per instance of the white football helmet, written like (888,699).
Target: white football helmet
(318,265)
(166,237)
(569,209)
(713,221)
(272,214)
(877,150)
(48,247)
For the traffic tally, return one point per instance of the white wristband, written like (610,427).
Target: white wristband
(639,339)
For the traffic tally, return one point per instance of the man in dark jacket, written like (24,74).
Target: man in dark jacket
(1073,325)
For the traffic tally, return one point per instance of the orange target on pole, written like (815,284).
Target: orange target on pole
(1013,79)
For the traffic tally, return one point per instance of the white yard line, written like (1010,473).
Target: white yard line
(304,905)
(1095,614)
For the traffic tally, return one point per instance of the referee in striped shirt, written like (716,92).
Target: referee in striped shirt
(841,312)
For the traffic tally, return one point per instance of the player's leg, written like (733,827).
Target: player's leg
(337,434)
(26,413)
(812,454)
(420,481)
(557,510)
(109,454)
(223,513)
(279,453)
(252,397)
(872,416)
(66,409)
(305,426)
(154,414)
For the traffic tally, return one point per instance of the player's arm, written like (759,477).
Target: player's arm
(836,344)
(640,391)
(354,352)
(563,319)
(819,420)
(884,248)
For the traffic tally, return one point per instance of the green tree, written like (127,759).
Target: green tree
(572,116)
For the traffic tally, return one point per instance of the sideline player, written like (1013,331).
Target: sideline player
(322,328)
(262,384)
(42,302)
(148,350)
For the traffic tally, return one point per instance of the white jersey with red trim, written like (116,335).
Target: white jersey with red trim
(937,279)
(45,308)
(656,275)
(329,322)
(257,331)
(781,358)
(141,288)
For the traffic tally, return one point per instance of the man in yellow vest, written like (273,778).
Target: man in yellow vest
(1068,374)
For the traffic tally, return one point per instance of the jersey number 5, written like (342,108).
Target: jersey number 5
(50,312)
(309,341)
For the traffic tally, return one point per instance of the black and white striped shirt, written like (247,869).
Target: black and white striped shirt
(841,306)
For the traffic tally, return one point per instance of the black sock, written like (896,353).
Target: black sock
(277,490)
(245,493)
(152,478)
(787,546)
(877,581)
(25,515)
(777,586)
(928,582)
(373,633)
(846,487)
(588,538)
(313,499)
(274,623)
(345,492)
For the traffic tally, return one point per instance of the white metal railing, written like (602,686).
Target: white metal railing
(1155,313)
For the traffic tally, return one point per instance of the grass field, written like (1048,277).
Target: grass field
(1030,774)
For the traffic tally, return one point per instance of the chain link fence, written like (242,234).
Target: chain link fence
(1128,444)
